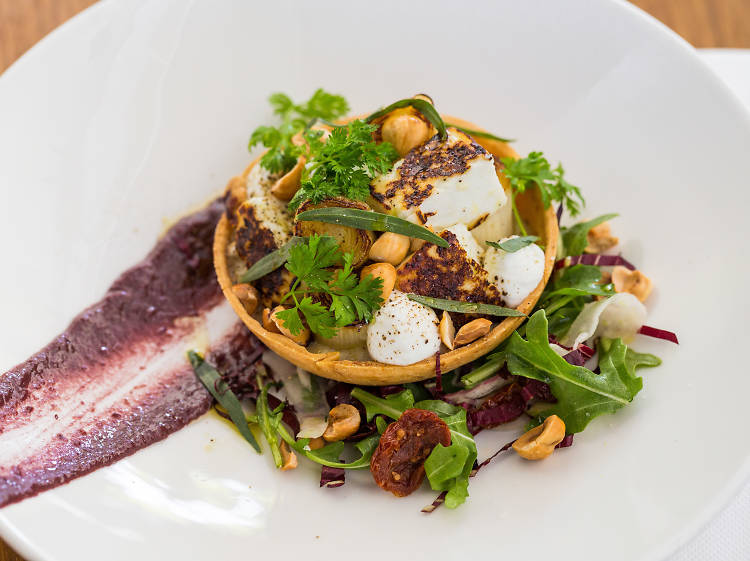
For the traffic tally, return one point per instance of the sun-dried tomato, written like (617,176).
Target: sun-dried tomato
(398,462)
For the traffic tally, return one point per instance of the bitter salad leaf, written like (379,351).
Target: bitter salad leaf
(534,169)
(575,238)
(448,468)
(330,453)
(578,280)
(581,394)
(534,358)
(577,406)
(391,406)
(452,477)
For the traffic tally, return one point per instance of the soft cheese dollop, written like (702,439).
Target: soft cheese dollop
(441,183)
(403,331)
(516,274)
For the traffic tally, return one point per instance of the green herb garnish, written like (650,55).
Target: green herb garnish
(575,238)
(447,468)
(479,134)
(282,153)
(352,299)
(271,424)
(219,389)
(370,220)
(534,169)
(426,108)
(576,405)
(269,420)
(270,262)
(513,244)
(465,307)
(344,164)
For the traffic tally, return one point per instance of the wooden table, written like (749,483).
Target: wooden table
(704,23)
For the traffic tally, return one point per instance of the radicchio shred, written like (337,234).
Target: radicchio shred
(659,334)
(332,477)
(438,375)
(596,260)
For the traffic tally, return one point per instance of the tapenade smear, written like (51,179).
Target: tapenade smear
(398,462)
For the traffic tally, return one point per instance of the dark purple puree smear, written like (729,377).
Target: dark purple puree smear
(117,379)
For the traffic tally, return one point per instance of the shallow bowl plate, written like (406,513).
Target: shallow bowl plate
(138,110)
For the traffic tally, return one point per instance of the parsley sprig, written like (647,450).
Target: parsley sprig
(344,164)
(282,152)
(534,169)
(314,265)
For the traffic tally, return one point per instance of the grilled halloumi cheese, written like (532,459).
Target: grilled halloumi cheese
(441,183)
(447,272)
(263,225)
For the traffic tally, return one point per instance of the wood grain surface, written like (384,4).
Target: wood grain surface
(704,23)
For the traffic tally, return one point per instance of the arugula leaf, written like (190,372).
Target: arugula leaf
(577,406)
(534,358)
(513,244)
(455,417)
(330,453)
(575,238)
(578,280)
(444,464)
(458,458)
(351,298)
(282,152)
(381,424)
(564,315)
(219,389)
(534,169)
(268,420)
(391,406)
(344,165)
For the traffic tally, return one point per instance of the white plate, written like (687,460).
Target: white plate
(134,111)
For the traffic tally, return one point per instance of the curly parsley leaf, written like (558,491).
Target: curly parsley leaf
(534,169)
(282,152)
(312,263)
(344,165)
